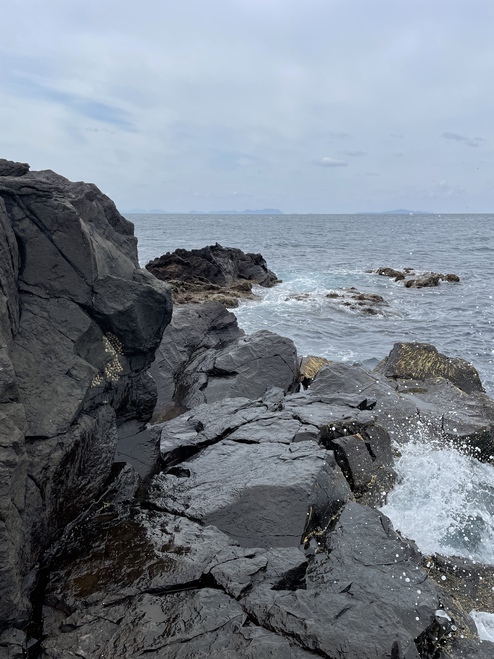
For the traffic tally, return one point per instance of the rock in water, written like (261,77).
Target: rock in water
(79,324)
(212,273)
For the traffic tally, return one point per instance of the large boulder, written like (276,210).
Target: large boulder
(422,361)
(212,273)
(79,324)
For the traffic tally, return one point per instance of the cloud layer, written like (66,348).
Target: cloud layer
(195,105)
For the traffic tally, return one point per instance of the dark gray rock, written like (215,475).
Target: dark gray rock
(79,323)
(268,504)
(367,598)
(122,551)
(11,168)
(193,330)
(186,625)
(247,367)
(214,264)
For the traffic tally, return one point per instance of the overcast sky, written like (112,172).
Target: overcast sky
(324,106)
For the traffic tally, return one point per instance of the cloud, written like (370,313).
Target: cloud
(469,141)
(353,154)
(339,136)
(77,103)
(331,162)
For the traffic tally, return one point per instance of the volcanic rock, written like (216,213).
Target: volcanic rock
(212,273)
(413,279)
(193,330)
(79,323)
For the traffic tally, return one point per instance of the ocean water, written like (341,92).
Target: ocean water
(444,500)
(315,254)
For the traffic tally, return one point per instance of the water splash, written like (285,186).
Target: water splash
(444,500)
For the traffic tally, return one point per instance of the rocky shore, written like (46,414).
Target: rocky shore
(244,520)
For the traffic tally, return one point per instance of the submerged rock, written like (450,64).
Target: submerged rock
(348,298)
(413,279)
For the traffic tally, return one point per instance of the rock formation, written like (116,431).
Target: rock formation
(79,324)
(215,273)
(413,279)
(259,534)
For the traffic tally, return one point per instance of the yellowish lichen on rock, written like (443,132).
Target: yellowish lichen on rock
(113,366)
(311,365)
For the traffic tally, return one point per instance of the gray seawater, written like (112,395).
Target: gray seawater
(315,254)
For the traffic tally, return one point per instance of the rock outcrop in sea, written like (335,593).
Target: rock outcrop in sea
(214,273)
(258,532)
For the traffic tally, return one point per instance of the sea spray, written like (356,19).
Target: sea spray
(444,500)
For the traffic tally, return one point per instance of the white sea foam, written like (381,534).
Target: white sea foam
(485,624)
(444,500)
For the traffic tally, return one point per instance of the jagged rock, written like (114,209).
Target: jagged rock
(349,298)
(79,323)
(193,330)
(390,272)
(11,168)
(187,625)
(413,279)
(394,412)
(407,407)
(247,367)
(188,374)
(212,272)
(367,597)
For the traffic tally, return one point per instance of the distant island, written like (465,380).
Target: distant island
(248,211)
(398,211)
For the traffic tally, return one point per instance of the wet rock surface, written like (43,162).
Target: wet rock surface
(79,323)
(349,299)
(255,532)
(218,273)
(204,357)
(255,540)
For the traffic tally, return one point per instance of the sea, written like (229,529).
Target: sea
(444,500)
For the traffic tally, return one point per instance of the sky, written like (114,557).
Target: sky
(309,106)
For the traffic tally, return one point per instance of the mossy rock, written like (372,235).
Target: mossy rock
(422,361)
(311,365)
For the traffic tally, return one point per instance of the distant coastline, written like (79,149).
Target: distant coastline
(248,211)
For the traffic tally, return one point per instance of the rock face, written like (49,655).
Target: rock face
(79,324)
(204,357)
(212,273)
(254,540)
